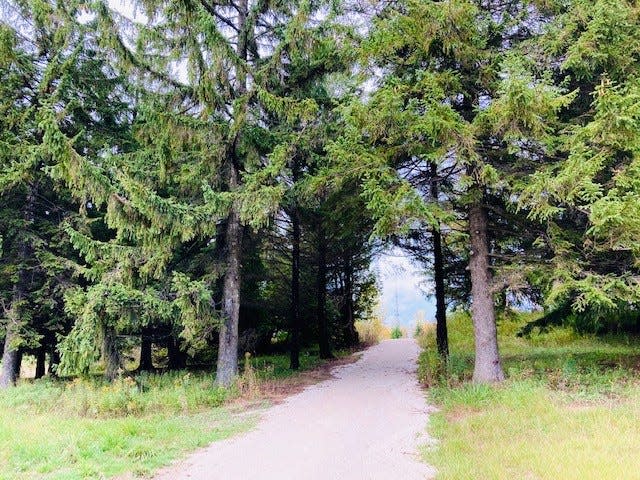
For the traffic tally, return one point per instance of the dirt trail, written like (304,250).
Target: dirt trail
(364,424)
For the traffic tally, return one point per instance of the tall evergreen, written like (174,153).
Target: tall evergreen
(233,93)
(49,71)
(457,92)
(587,193)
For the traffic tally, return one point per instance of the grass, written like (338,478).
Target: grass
(372,331)
(569,409)
(88,429)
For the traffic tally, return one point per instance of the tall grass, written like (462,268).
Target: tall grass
(372,331)
(172,392)
(88,429)
(569,408)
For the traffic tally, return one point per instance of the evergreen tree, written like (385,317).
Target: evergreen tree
(587,193)
(49,70)
(221,114)
(458,92)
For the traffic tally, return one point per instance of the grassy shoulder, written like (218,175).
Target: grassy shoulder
(86,428)
(569,409)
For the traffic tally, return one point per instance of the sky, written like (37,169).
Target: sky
(402,280)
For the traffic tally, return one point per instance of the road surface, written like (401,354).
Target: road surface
(364,424)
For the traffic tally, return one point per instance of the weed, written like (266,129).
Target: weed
(397,332)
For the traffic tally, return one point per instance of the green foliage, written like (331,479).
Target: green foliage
(396,332)
(578,365)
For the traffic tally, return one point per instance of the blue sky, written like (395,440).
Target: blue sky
(398,277)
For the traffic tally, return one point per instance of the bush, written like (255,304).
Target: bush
(397,332)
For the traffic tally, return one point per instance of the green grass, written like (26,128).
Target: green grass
(88,429)
(66,447)
(569,409)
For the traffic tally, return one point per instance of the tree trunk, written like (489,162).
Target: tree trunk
(349,328)
(295,289)
(9,361)
(110,354)
(321,293)
(442,339)
(227,367)
(11,357)
(146,360)
(177,359)
(487,367)
(17,366)
(41,356)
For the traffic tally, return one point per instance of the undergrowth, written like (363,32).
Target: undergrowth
(86,428)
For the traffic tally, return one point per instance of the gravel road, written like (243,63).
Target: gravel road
(364,424)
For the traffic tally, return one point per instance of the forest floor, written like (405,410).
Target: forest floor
(365,423)
(569,409)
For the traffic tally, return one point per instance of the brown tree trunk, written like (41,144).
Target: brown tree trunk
(442,339)
(146,360)
(41,356)
(295,290)
(349,328)
(227,366)
(177,358)
(110,354)
(321,293)
(487,367)
(17,366)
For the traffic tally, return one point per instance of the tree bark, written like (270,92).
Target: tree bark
(321,293)
(177,359)
(349,328)
(227,366)
(487,367)
(442,339)
(110,354)
(9,361)
(295,289)
(41,356)
(146,360)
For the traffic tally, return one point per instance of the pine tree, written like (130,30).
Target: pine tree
(587,193)
(235,82)
(459,93)
(49,71)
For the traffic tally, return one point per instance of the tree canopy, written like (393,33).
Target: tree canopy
(217,177)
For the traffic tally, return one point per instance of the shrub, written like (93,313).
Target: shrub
(397,332)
